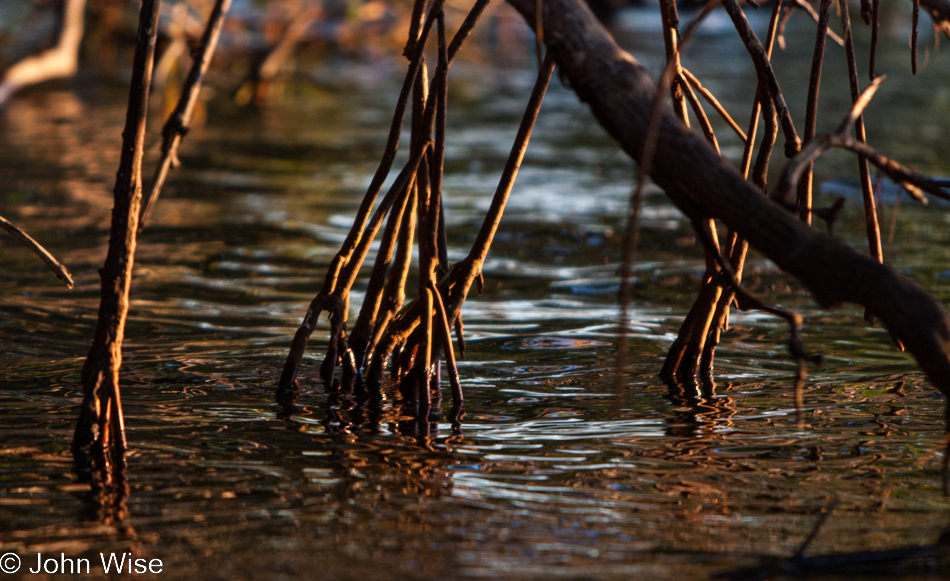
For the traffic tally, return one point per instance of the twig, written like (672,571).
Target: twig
(462,34)
(711,99)
(671,42)
(914,183)
(666,81)
(415,24)
(58,269)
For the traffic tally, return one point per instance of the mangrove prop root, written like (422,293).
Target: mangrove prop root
(457,283)
(693,349)
(99,442)
(768,82)
(336,302)
(346,264)
(177,124)
(746,301)
(446,339)
(631,238)
(703,185)
(811,108)
(870,207)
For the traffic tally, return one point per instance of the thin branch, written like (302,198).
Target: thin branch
(738,248)
(870,208)
(392,144)
(913,36)
(814,16)
(811,109)
(177,125)
(768,80)
(446,342)
(875,28)
(698,111)
(711,99)
(58,269)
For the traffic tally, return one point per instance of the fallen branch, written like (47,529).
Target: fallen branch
(703,186)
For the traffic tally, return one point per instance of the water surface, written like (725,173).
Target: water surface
(559,472)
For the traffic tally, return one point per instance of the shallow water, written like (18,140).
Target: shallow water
(560,471)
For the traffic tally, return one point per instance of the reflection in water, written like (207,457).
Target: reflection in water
(558,473)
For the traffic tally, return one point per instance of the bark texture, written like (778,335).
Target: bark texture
(99,440)
(703,185)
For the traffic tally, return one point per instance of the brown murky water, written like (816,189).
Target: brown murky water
(558,474)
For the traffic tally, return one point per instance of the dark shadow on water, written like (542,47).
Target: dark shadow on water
(921,562)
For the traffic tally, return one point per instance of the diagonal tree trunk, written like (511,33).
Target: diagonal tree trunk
(703,186)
